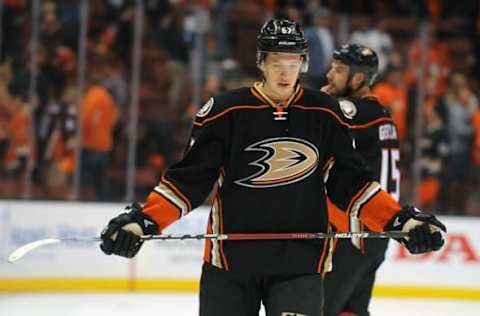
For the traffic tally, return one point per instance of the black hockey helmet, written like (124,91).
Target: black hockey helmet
(360,59)
(282,36)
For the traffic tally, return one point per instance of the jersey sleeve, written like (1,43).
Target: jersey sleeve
(350,184)
(186,184)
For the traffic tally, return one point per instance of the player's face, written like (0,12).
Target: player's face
(281,71)
(337,78)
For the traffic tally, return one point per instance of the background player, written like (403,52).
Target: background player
(348,288)
(267,147)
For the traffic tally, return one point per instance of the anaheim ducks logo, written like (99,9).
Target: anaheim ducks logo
(286,160)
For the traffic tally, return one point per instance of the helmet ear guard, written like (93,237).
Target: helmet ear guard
(282,36)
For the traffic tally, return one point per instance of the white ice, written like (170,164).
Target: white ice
(173,304)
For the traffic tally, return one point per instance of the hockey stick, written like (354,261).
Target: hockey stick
(23,250)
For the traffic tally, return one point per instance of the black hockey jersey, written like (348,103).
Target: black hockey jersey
(376,139)
(271,162)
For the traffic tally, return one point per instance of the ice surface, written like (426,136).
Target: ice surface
(186,304)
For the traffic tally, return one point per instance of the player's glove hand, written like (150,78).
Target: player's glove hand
(424,230)
(122,234)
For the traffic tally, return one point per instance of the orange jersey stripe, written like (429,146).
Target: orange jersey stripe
(322,256)
(253,107)
(371,97)
(258,95)
(327,164)
(177,191)
(378,211)
(382,119)
(347,314)
(359,194)
(220,215)
(256,90)
(161,210)
(316,108)
(298,96)
(362,240)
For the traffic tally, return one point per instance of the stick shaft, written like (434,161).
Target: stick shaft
(23,250)
(282,236)
(258,236)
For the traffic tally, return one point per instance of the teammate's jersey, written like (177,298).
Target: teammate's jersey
(273,166)
(375,137)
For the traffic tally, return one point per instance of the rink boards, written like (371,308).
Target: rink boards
(175,265)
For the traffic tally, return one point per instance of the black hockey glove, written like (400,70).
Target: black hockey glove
(122,234)
(424,230)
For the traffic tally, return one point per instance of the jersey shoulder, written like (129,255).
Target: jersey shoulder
(318,100)
(372,118)
(365,111)
(224,102)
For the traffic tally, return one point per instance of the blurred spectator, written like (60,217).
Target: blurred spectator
(476,49)
(14,17)
(19,145)
(213,86)
(5,101)
(290,11)
(98,118)
(437,60)
(52,39)
(171,36)
(101,16)
(69,17)
(154,152)
(61,124)
(51,32)
(321,46)
(376,37)
(434,150)
(119,34)
(475,203)
(65,64)
(19,87)
(461,104)
(221,16)
(20,83)
(156,85)
(298,4)
(247,17)
(392,94)
(116,83)
(410,8)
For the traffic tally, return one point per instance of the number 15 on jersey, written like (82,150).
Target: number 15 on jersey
(390,174)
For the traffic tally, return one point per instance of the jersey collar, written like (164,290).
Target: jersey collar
(257,91)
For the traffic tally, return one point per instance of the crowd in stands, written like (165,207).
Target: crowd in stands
(43,129)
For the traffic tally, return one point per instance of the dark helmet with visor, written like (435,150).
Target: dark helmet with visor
(360,59)
(282,36)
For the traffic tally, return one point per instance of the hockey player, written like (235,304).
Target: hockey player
(268,147)
(348,288)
